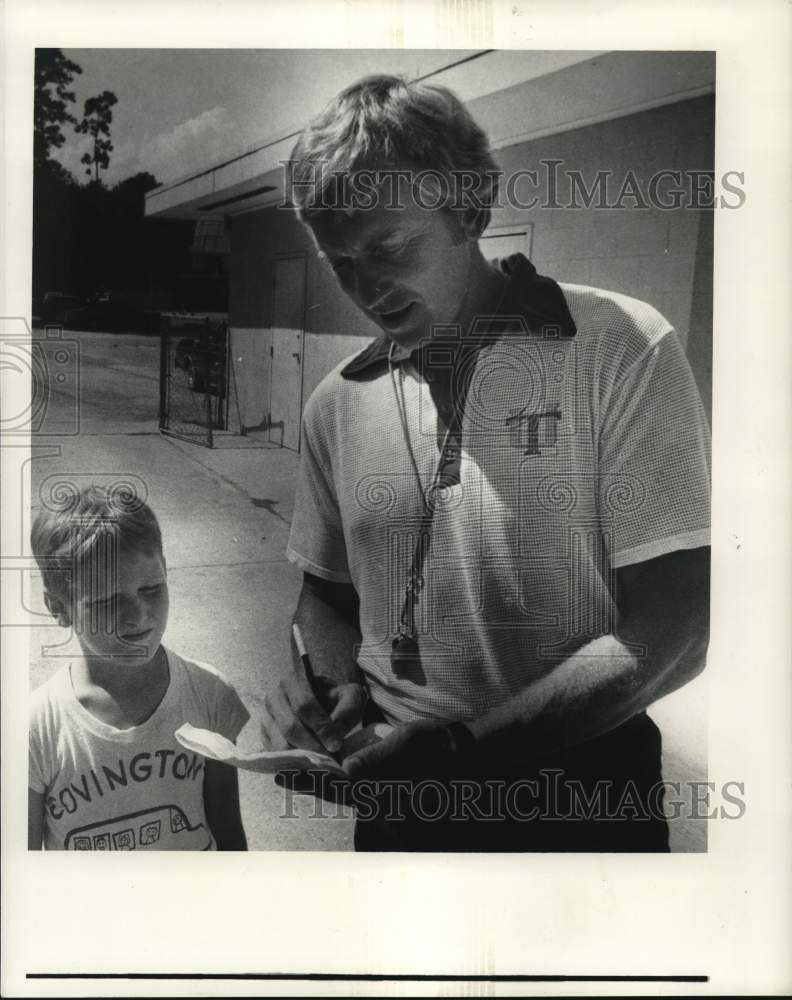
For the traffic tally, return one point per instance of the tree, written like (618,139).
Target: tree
(133,189)
(53,74)
(131,258)
(96,121)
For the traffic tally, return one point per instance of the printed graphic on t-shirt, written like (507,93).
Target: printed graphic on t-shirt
(531,431)
(109,791)
(134,831)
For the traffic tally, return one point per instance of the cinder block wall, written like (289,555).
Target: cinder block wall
(661,256)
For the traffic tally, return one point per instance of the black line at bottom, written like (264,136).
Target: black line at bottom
(369,977)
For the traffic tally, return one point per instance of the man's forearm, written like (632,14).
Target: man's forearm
(592,692)
(327,616)
(662,607)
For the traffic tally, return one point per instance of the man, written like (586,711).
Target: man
(502,512)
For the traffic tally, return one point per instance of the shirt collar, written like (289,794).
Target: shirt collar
(538,300)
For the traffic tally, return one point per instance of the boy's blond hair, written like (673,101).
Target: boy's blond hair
(78,532)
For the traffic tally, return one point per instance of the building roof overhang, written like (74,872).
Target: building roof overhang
(516,95)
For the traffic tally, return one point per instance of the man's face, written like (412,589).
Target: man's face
(406,268)
(120,610)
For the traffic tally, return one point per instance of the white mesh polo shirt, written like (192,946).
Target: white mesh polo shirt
(579,454)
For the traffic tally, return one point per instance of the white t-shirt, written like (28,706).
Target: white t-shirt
(108,789)
(579,455)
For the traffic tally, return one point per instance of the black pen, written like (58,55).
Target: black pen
(309,672)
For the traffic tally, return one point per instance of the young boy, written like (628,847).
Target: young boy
(106,771)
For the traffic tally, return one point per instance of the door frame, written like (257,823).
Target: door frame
(276,259)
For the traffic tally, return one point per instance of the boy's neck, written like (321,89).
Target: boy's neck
(122,679)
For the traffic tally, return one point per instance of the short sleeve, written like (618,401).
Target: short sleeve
(229,712)
(654,459)
(316,542)
(39,767)
(35,769)
(208,699)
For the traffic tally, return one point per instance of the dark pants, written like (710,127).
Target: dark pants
(601,796)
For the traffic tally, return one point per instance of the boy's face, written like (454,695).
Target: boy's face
(406,268)
(120,609)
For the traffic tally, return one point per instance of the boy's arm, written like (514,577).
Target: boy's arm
(35,820)
(221,802)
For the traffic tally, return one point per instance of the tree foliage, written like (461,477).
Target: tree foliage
(87,237)
(96,121)
(53,75)
(90,238)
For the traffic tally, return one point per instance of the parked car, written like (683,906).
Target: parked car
(203,360)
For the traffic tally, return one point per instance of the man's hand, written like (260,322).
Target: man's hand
(326,784)
(315,713)
(305,722)
(302,720)
(414,751)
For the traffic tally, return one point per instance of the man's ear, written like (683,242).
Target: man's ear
(468,224)
(57,608)
(474,221)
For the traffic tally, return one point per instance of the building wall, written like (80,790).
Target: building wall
(334,327)
(256,239)
(660,256)
(663,257)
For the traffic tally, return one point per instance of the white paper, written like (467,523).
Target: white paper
(217,747)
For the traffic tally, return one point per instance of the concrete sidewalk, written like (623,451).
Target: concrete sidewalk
(225,516)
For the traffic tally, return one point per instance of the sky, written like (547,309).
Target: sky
(180,110)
